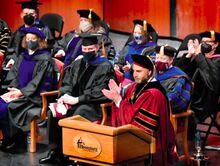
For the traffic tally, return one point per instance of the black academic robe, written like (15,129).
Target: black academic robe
(21,111)
(71,45)
(64,42)
(86,82)
(207,86)
(188,65)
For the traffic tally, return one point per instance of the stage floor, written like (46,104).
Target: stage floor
(23,158)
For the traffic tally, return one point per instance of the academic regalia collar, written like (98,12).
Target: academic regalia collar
(99,59)
(169,73)
(141,87)
(145,44)
(135,44)
(37,23)
(27,56)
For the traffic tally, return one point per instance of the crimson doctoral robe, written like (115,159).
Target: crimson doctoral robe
(146,107)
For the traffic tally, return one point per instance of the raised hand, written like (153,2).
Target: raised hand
(114,91)
(127,67)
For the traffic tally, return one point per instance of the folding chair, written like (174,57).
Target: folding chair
(184,116)
(174,120)
(207,126)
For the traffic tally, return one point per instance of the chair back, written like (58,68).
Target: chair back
(54,22)
(60,66)
(180,125)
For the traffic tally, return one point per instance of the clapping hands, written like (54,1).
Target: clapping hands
(114,91)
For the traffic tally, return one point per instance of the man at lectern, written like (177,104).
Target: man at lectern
(144,104)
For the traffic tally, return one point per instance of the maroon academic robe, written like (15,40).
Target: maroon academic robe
(149,112)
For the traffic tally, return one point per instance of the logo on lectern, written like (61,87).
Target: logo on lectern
(86,145)
(82,145)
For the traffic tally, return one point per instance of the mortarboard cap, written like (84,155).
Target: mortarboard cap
(215,36)
(29,4)
(89,38)
(141,22)
(166,50)
(35,31)
(142,61)
(88,14)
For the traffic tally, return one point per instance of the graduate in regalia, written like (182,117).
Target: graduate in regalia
(34,72)
(81,90)
(144,104)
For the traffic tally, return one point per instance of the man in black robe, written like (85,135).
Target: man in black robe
(204,58)
(81,89)
(29,16)
(206,74)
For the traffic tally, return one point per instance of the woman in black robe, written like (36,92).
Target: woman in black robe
(34,72)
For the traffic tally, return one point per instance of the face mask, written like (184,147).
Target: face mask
(88,56)
(206,48)
(138,38)
(28,19)
(85,26)
(161,66)
(32,45)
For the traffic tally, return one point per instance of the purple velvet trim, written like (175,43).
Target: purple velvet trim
(26,68)
(71,49)
(3,109)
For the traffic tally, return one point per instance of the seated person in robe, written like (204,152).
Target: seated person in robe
(29,16)
(34,72)
(81,91)
(144,104)
(141,42)
(173,79)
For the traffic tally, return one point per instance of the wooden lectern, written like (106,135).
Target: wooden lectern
(91,143)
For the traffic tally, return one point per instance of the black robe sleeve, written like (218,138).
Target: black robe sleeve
(62,44)
(98,81)
(188,65)
(44,79)
(87,85)
(70,78)
(13,73)
(209,69)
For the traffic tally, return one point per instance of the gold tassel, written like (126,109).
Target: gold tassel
(145,25)
(149,57)
(90,15)
(162,50)
(212,35)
